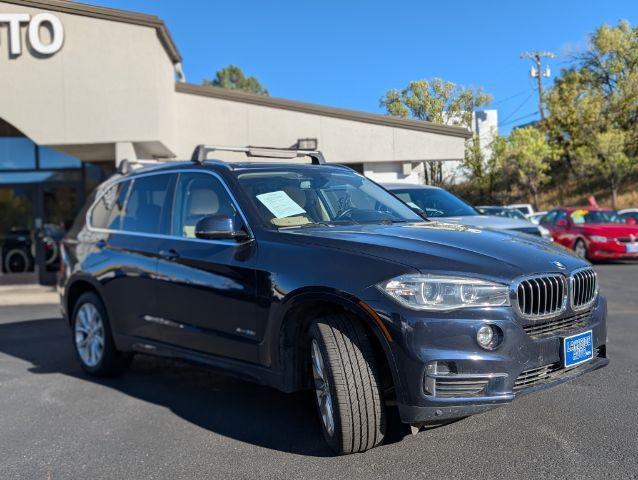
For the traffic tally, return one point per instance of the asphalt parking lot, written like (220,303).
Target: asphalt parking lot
(165,419)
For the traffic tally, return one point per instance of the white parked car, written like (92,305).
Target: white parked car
(525,208)
(439,204)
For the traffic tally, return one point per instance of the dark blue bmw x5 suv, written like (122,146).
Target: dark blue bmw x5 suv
(313,277)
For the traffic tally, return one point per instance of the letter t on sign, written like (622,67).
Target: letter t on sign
(14,20)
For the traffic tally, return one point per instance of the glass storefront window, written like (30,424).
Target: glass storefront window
(50,158)
(8,178)
(16,153)
(96,173)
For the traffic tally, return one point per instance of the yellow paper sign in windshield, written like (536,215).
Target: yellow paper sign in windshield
(578,216)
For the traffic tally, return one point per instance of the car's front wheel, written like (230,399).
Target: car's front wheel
(347,384)
(580,248)
(93,340)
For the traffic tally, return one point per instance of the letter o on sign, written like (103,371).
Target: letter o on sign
(57,33)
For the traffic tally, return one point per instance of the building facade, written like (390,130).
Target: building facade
(84,87)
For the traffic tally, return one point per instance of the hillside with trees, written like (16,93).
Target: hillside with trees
(587,144)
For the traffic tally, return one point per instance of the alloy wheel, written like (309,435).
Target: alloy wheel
(89,334)
(580,249)
(322,389)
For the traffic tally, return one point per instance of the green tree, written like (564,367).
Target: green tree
(233,78)
(593,109)
(442,102)
(605,154)
(485,167)
(529,155)
(436,101)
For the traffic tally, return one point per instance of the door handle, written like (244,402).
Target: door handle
(169,255)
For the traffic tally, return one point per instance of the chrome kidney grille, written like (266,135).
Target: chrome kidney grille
(584,285)
(542,296)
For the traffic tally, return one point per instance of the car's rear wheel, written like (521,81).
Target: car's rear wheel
(93,340)
(580,248)
(347,384)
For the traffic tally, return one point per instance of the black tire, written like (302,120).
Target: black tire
(354,383)
(581,246)
(17,261)
(111,361)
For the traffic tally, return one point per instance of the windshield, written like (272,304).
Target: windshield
(502,212)
(435,202)
(318,196)
(595,216)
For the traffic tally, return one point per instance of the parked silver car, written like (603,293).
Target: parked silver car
(438,203)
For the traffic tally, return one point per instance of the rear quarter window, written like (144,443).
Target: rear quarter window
(148,204)
(107,211)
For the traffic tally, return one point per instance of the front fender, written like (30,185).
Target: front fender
(278,359)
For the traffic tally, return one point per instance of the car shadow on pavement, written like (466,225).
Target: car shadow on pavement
(234,408)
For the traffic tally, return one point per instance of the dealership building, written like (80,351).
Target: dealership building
(85,87)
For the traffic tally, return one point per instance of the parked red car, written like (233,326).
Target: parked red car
(593,233)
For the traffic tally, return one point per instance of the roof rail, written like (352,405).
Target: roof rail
(127,166)
(201,152)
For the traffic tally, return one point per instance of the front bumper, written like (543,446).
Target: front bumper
(609,251)
(484,379)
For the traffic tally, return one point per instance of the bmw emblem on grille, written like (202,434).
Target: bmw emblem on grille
(559,265)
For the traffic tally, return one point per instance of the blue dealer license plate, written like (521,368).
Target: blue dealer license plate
(632,247)
(578,349)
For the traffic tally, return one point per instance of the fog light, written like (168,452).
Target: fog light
(488,337)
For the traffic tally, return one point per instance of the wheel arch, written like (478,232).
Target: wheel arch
(300,308)
(74,290)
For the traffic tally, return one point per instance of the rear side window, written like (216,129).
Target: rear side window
(198,195)
(148,204)
(108,210)
(548,218)
(560,215)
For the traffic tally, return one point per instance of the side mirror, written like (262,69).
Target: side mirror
(630,221)
(561,223)
(219,227)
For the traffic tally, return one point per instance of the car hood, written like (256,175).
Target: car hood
(447,247)
(610,229)
(489,221)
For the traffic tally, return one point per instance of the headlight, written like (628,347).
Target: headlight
(438,292)
(598,238)
(545,233)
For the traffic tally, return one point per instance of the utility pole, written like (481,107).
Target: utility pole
(537,72)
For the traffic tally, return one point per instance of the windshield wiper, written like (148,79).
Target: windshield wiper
(307,225)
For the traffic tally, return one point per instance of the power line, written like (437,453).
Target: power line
(509,98)
(514,120)
(513,112)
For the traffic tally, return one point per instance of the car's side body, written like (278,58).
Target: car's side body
(243,306)
(601,240)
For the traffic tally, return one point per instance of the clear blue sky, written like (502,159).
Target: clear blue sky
(348,53)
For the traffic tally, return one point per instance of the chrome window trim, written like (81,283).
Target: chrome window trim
(87,219)
(571,289)
(514,293)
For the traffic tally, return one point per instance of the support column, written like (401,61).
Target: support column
(124,151)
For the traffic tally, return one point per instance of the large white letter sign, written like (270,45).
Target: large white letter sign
(57,33)
(13,21)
